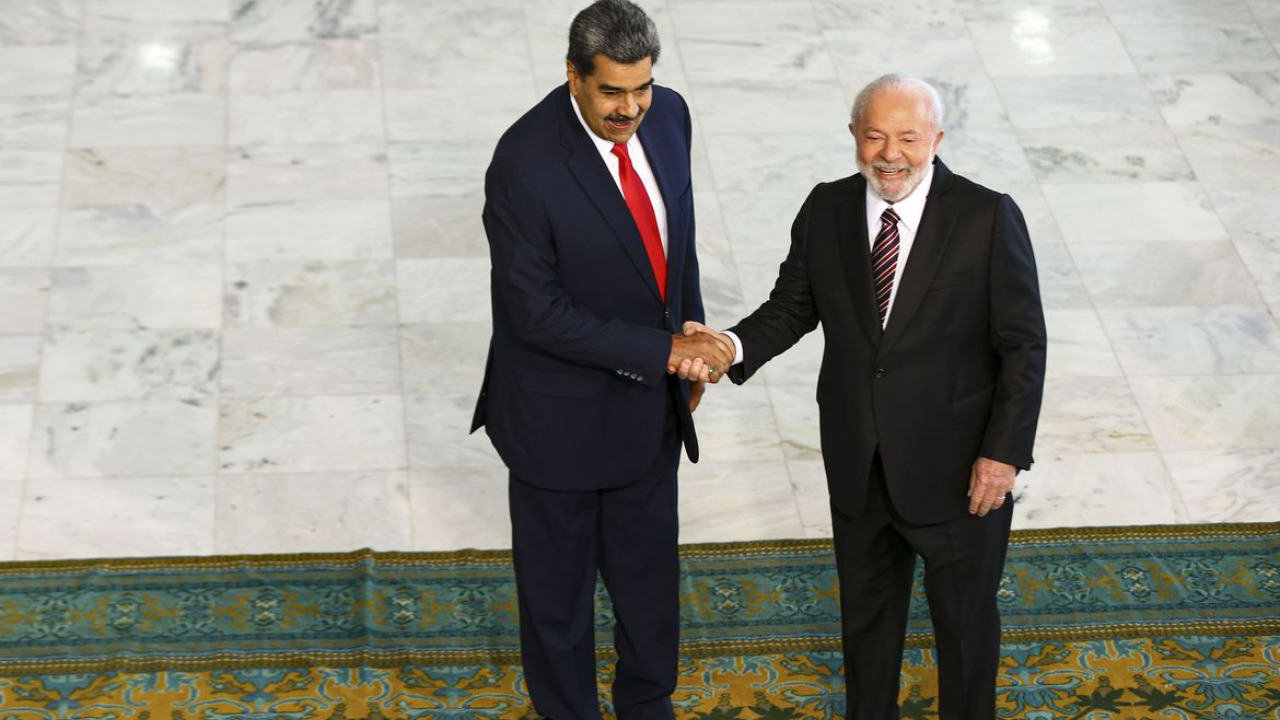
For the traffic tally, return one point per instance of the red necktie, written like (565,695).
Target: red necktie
(884,260)
(642,211)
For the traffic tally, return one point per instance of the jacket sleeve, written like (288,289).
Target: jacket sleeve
(789,313)
(527,288)
(1019,338)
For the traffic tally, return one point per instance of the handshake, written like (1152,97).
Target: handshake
(700,354)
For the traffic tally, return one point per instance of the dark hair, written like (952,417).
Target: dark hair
(617,29)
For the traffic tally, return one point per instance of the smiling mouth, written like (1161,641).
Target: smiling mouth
(620,123)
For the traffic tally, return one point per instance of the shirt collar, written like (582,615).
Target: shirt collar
(910,208)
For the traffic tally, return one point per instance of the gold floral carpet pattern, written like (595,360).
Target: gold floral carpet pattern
(1141,623)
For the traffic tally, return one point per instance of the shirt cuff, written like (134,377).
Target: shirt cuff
(737,347)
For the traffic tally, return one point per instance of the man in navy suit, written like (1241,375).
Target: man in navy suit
(589,218)
(925,285)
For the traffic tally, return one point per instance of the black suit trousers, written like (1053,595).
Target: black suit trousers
(875,556)
(630,535)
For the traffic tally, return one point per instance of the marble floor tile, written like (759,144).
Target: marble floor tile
(129,365)
(1135,213)
(1207,46)
(312,230)
(1060,283)
(1038,46)
(971,100)
(478,18)
(149,120)
(146,175)
(1035,11)
(862,55)
(24,294)
(136,297)
(1039,102)
(308,513)
(316,434)
(464,507)
(1226,412)
(1241,98)
(1176,12)
(15,428)
(938,15)
(1146,275)
(443,290)
(117,517)
(795,412)
(1096,489)
(1091,415)
(784,108)
(1267,14)
(1078,345)
(139,234)
(29,177)
(738,426)
(1246,209)
(281,173)
(271,67)
(121,21)
(719,57)
(11,502)
(1219,487)
(809,485)
(306,117)
(158,437)
(152,68)
(1220,340)
(991,157)
(444,357)
(768,169)
(798,366)
(302,19)
(1234,154)
(441,226)
(19,367)
(37,71)
(455,113)
(731,17)
(34,123)
(439,432)
(457,60)
(1039,216)
(41,22)
(439,167)
(293,293)
(26,236)
(301,362)
(740,500)
(1084,154)
(1262,258)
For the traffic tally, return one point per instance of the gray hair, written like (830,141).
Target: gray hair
(617,29)
(902,83)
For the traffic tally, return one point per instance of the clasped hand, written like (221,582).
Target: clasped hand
(700,354)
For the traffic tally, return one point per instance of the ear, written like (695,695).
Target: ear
(575,80)
(938,141)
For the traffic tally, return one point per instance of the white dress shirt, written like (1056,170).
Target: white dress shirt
(638,161)
(909,209)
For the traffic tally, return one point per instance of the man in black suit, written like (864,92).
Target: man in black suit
(590,224)
(929,393)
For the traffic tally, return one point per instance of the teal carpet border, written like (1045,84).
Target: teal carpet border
(384,609)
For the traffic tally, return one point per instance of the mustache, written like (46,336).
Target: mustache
(890,167)
(619,118)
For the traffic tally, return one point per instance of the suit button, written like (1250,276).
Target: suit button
(640,378)
(879,373)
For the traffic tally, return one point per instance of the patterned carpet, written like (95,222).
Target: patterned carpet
(1140,623)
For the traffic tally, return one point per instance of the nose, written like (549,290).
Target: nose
(891,151)
(629,106)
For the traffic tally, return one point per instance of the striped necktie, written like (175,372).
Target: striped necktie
(884,260)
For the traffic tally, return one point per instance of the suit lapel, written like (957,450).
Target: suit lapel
(931,242)
(855,248)
(593,177)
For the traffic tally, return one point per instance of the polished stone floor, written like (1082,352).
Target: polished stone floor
(243,300)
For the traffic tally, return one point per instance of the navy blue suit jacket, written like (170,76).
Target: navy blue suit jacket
(576,395)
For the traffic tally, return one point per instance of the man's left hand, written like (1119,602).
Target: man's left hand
(696,388)
(990,482)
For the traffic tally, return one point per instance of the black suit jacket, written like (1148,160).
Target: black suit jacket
(957,373)
(576,395)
